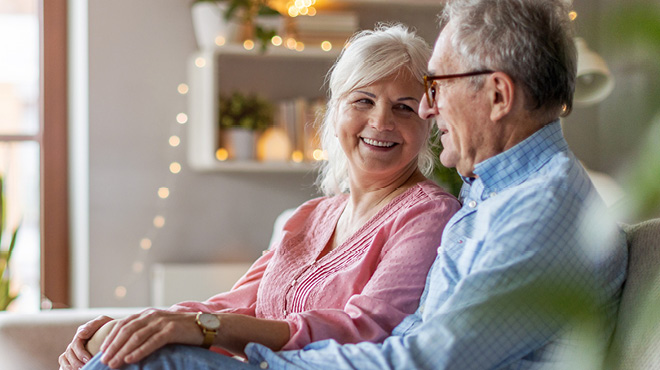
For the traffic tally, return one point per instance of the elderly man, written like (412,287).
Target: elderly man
(521,266)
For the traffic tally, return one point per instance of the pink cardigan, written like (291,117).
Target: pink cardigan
(359,291)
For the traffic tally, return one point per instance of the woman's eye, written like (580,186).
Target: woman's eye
(403,108)
(364,102)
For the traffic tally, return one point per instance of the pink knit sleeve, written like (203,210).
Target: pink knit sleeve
(240,299)
(396,284)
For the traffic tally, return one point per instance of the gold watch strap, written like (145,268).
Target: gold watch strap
(209,336)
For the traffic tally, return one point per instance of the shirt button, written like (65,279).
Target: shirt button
(421,309)
(472,204)
(263,365)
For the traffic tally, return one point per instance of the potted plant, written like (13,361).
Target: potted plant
(241,117)
(6,294)
(229,19)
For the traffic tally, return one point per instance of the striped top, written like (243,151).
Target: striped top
(360,290)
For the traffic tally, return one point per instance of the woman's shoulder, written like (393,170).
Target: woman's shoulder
(429,191)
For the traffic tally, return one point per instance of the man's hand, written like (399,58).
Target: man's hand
(137,336)
(76,355)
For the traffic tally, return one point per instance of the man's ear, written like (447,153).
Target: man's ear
(501,94)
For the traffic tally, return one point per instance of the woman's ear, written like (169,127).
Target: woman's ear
(501,95)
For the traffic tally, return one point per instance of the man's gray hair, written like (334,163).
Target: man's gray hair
(529,40)
(369,56)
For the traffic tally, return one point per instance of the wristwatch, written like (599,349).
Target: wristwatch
(209,324)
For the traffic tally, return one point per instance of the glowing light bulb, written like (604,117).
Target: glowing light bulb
(311,11)
(138,267)
(159,221)
(304,11)
(293,12)
(120,292)
(174,141)
(175,167)
(200,62)
(291,43)
(222,154)
(300,46)
(297,156)
(163,193)
(276,40)
(182,118)
(572,15)
(326,45)
(220,40)
(248,44)
(145,244)
(317,154)
(182,89)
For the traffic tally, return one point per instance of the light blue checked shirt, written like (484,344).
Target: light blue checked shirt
(529,253)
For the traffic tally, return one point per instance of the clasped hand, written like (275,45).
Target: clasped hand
(132,338)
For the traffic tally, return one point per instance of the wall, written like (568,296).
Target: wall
(138,52)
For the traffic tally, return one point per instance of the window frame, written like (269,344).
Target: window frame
(55,239)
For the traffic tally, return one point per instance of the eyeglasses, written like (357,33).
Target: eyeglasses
(431,86)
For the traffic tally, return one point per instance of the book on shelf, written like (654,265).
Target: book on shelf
(299,117)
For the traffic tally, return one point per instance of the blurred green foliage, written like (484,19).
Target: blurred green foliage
(246,111)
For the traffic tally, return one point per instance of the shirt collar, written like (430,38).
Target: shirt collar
(519,162)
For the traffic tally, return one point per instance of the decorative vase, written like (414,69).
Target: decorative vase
(240,143)
(210,26)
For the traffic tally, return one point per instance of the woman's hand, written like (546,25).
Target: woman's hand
(76,355)
(137,336)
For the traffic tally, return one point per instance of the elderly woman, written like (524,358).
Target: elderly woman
(350,265)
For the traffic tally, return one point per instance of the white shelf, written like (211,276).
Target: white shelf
(310,52)
(206,79)
(256,166)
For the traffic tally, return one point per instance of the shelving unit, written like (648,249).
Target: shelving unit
(232,67)
(278,74)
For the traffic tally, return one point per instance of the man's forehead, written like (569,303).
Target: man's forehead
(441,55)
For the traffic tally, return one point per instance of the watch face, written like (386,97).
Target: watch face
(209,321)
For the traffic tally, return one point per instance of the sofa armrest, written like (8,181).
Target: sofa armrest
(35,340)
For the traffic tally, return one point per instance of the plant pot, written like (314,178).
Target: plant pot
(240,143)
(210,25)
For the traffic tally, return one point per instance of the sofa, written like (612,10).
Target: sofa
(34,341)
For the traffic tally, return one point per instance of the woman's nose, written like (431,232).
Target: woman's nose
(382,119)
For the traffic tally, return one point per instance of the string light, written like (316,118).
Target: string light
(301,7)
(276,40)
(248,44)
(163,193)
(222,154)
(182,89)
(326,45)
(297,156)
(174,141)
(200,62)
(137,266)
(220,40)
(572,15)
(145,244)
(120,292)
(159,221)
(175,167)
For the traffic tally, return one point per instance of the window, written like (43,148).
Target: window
(33,147)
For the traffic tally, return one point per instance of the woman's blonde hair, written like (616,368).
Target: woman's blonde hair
(369,56)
